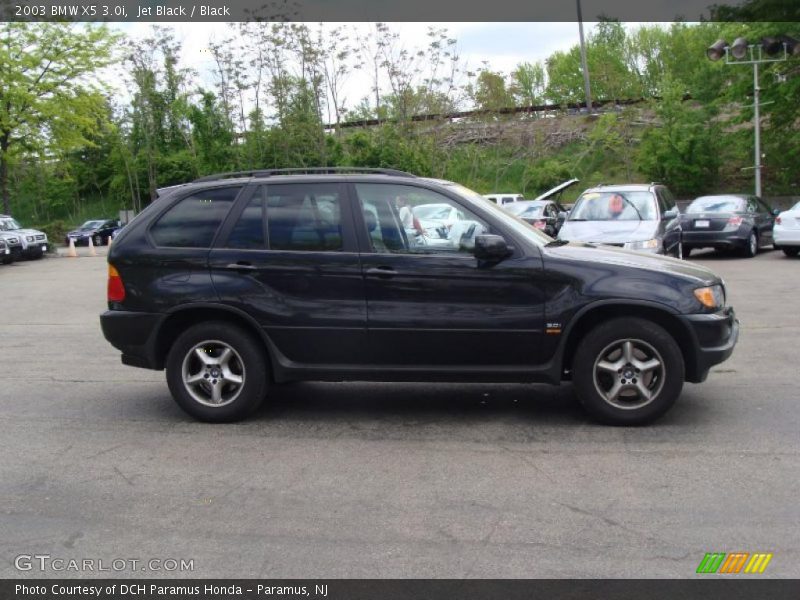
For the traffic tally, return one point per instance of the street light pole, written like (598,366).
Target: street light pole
(755,57)
(757,119)
(584,64)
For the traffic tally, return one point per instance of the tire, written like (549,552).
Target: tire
(751,246)
(791,251)
(7,259)
(600,357)
(687,251)
(246,361)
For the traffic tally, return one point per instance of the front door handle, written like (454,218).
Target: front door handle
(384,272)
(241,266)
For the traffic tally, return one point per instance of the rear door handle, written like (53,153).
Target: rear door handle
(241,266)
(385,272)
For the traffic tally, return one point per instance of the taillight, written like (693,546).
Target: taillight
(735,221)
(116,291)
(539,224)
(778,220)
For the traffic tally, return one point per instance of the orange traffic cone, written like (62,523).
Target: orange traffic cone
(108,243)
(71,253)
(91,247)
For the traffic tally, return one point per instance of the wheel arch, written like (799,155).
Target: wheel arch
(180,319)
(593,315)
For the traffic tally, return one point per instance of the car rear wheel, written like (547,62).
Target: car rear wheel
(792,251)
(217,372)
(628,371)
(751,248)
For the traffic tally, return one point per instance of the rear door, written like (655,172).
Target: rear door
(430,302)
(289,259)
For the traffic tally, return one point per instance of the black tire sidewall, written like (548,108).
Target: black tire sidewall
(252,354)
(618,329)
(748,252)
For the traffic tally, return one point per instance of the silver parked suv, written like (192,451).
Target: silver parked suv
(27,243)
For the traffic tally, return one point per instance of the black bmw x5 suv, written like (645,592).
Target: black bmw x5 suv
(236,282)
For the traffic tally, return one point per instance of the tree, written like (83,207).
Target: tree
(48,98)
(683,151)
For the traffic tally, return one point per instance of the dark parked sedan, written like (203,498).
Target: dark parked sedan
(727,222)
(98,230)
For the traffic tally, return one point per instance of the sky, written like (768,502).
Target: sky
(501,45)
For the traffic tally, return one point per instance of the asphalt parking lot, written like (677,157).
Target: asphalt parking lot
(390,480)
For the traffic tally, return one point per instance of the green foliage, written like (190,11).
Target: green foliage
(683,150)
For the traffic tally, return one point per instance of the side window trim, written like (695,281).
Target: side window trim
(239,206)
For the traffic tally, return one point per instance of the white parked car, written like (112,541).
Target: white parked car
(437,219)
(503,198)
(786,232)
(32,242)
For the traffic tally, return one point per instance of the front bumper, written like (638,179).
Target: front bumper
(715,335)
(135,335)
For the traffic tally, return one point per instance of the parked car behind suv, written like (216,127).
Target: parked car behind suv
(31,242)
(728,222)
(636,216)
(236,282)
(97,230)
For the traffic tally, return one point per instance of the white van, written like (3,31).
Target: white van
(504,198)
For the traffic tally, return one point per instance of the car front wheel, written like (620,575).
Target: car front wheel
(628,371)
(217,372)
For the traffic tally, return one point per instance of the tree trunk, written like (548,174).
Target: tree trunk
(4,142)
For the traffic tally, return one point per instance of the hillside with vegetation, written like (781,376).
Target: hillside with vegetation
(72,148)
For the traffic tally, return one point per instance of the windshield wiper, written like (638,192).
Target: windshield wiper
(556,243)
(638,214)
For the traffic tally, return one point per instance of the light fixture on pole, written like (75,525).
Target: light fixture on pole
(742,53)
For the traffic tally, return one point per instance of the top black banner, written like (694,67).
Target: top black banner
(398,10)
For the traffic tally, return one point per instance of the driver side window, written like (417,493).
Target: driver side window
(403,219)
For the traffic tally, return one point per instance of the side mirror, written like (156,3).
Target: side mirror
(672,213)
(775,212)
(562,216)
(491,247)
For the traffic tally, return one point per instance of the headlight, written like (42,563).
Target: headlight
(711,297)
(30,238)
(642,245)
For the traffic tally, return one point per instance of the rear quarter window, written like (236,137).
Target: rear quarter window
(193,221)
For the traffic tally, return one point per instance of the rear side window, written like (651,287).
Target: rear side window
(304,217)
(193,221)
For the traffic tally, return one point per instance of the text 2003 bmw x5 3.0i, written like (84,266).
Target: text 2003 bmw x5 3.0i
(239,281)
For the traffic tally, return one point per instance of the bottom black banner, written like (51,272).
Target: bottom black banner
(396,589)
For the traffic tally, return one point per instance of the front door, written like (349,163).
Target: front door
(430,302)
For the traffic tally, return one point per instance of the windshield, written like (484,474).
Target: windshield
(9,224)
(614,206)
(432,211)
(521,227)
(91,224)
(519,209)
(716,204)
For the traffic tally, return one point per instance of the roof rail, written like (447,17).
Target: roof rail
(304,171)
